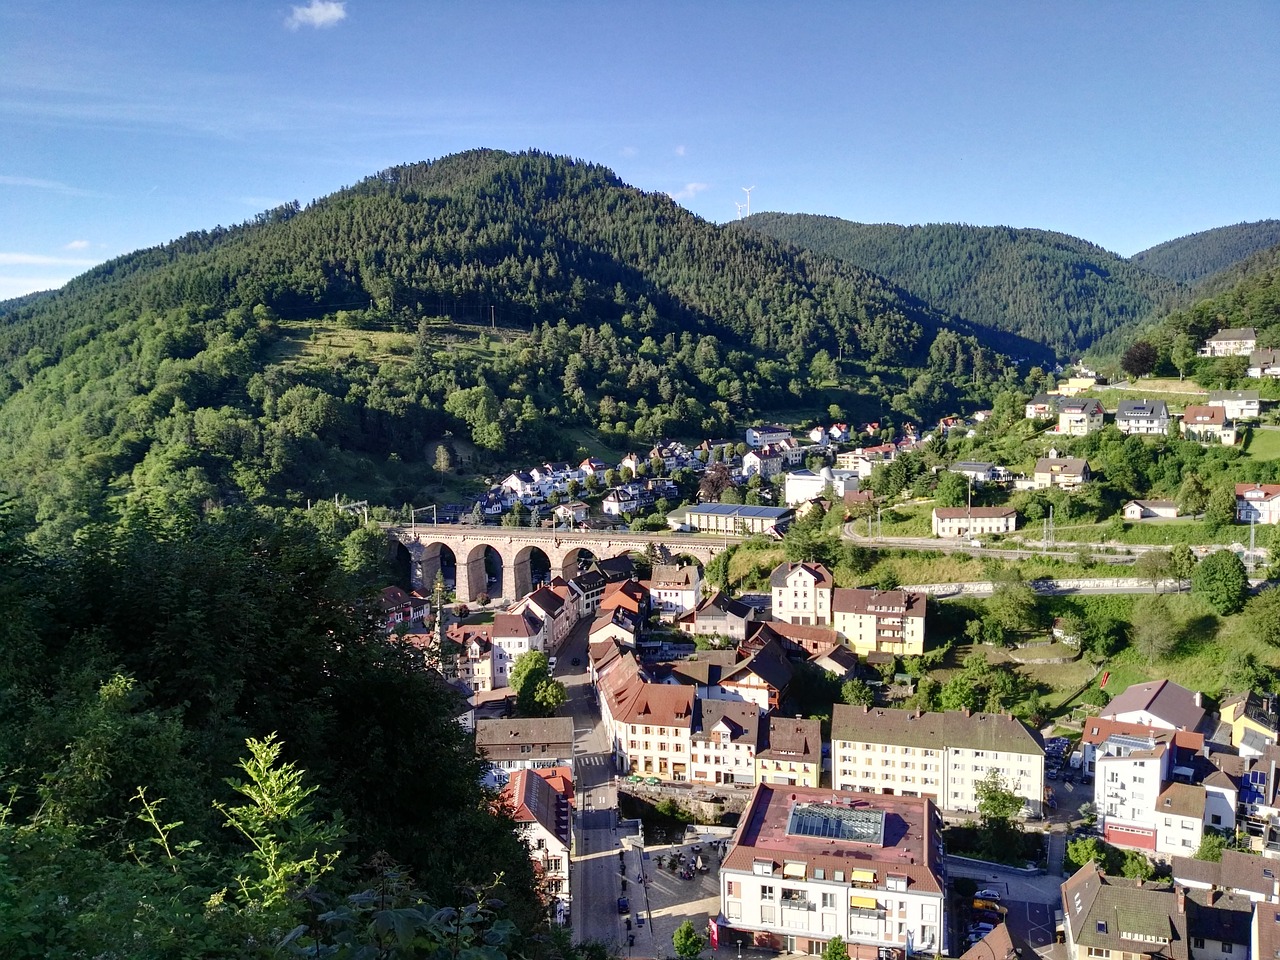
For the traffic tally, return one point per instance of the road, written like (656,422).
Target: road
(596,880)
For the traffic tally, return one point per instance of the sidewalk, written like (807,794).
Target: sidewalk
(664,900)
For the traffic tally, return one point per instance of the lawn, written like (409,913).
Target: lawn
(1263,445)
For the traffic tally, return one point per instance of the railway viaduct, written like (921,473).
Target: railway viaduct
(563,549)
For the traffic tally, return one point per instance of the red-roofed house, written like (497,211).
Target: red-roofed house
(801,593)
(630,595)
(1258,502)
(542,814)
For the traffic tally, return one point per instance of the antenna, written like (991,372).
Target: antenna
(747,191)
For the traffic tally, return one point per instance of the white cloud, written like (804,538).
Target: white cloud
(317,13)
(630,151)
(77,245)
(20,286)
(40,260)
(38,184)
(688,191)
(680,150)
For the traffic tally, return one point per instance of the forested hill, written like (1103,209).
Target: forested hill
(1198,256)
(219,367)
(1058,290)
(1252,300)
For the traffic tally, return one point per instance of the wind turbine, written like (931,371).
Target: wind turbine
(748,190)
(739,206)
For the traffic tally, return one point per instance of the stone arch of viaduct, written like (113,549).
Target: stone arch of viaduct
(562,548)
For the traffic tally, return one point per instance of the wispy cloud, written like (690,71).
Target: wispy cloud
(77,245)
(680,150)
(630,151)
(20,286)
(41,260)
(688,191)
(317,13)
(36,183)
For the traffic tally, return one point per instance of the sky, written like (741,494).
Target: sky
(126,124)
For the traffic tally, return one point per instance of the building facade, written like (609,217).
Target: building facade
(879,621)
(970,521)
(801,593)
(805,867)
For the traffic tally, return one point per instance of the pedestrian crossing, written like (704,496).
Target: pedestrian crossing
(592,760)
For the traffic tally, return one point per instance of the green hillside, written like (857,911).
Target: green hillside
(1198,256)
(508,300)
(1058,290)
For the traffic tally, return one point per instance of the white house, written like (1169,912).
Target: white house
(1258,502)
(801,593)
(1142,417)
(1233,342)
(763,434)
(802,485)
(1238,404)
(808,865)
(1136,510)
(970,521)
(540,806)
(674,589)
(1264,363)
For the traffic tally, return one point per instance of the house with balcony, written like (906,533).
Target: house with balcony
(1258,502)
(1042,406)
(675,589)
(806,866)
(1233,342)
(1204,424)
(1238,404)
(1065,472)
(939,755)
(1079,417)
(1142,418)
(1264,363)
(879,621)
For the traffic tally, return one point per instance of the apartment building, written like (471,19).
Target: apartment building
(540,806)
(942,756)
(524,744)
(726,735)
(791,754)
(806,866)
(971,521)
(879,621)
(801,593)
(675,589)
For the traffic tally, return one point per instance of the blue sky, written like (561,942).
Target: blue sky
(126,124)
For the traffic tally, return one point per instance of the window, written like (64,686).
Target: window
(766,893)
(767,914)
(828,900)
(1102,926)
(733,888)
(1198,943)
(1216,820)
(1226,948)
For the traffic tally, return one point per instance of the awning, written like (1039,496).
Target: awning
(864,903)
(862,876)
(793,870)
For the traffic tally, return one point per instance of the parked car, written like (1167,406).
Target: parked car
(987,894)
(623,905)
(988,916)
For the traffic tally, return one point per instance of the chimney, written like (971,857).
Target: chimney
(965,711)
(1181,893)
(1199,699)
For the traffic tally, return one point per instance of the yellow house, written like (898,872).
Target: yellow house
(1252,719)
(792,754)
(879,621)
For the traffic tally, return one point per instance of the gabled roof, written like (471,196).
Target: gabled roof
(869,601)
(627,594)
(1070,465)
(1085,405)
(1204,416)
(1234,333)
(1222,396)
(799,741)
(952,728)
(1181,800)
(821,575)
(981,513)
(1222,917)
(718,605)
(547,600)
(1142,410)
(673,576)
(769,663)
(523,625)
(1174,704)
(533,799)
(740,718)
(1237,870)
(1257,492)
(1112,913)
(661,704)
(498,737)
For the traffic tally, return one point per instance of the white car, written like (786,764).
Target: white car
(987,894)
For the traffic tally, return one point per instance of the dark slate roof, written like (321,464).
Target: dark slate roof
(910,728)
(742,719)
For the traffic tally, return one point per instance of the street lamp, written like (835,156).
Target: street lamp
(739,950)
